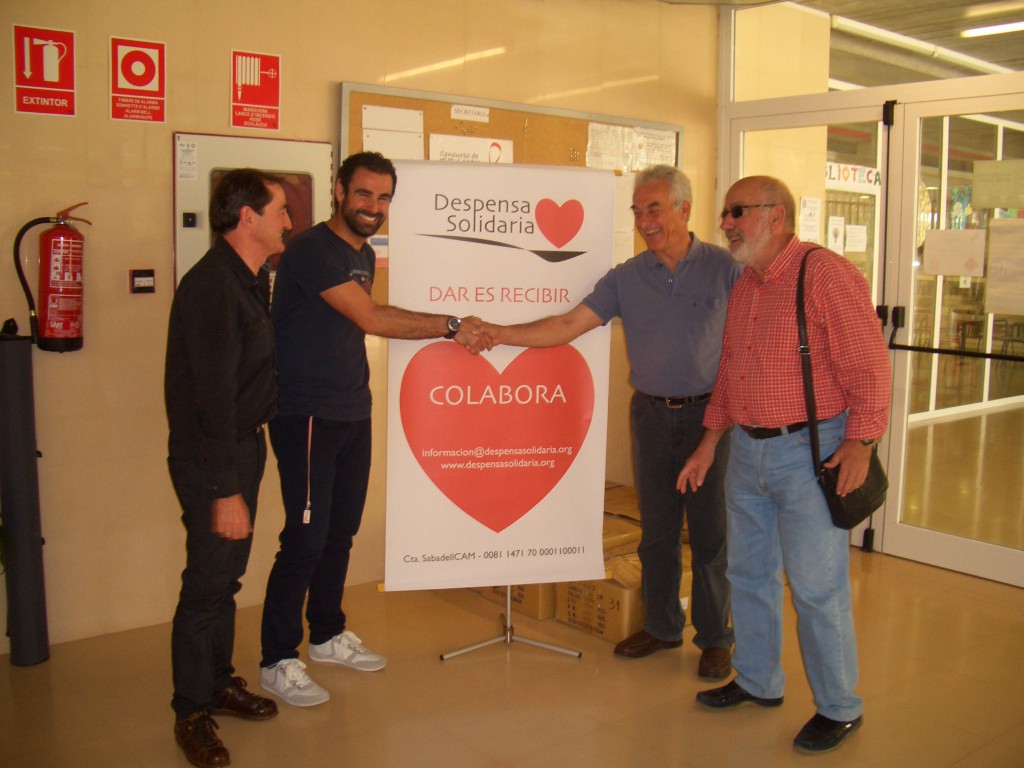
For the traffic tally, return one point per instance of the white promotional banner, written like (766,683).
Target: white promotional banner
(496,461)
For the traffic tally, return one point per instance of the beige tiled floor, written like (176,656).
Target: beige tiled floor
(940,667)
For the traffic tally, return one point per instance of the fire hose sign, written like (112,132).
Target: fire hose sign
(44,71)
(255,90)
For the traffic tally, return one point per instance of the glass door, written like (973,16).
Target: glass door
(961,280)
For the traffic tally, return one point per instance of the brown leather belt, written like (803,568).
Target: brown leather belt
(763,433)
(679,402)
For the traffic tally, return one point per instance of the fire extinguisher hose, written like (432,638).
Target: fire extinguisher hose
(33,319)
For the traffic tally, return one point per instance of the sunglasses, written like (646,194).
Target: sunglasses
(736,211)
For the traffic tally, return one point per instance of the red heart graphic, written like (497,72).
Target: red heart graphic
(496,443)
(559,223)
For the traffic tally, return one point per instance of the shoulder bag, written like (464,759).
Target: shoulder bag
(853,508)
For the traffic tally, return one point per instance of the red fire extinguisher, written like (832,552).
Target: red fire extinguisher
(58,326)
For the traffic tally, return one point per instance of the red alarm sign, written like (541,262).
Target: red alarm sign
(137,80)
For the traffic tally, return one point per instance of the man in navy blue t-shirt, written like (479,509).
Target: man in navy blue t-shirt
(322,311)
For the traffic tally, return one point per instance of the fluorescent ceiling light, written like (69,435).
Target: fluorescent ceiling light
(995,29)
(447,64)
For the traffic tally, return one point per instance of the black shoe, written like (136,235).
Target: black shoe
(731,695)
(823,733)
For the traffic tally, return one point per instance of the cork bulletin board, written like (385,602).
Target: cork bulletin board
(528,134)
(540,135)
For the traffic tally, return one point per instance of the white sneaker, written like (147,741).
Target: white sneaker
(348,650)
(288,681)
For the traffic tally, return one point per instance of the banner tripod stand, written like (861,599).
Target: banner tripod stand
(509,636)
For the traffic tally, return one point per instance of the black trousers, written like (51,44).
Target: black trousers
(203,634)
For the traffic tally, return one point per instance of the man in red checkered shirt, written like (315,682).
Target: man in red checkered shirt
(777,515)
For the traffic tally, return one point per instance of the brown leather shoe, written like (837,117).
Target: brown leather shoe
(197,737)
(643,644)
(236,701)
(715,663)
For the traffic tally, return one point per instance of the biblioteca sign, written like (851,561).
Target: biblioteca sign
(857,178)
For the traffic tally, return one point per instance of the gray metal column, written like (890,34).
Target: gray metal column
(19,505)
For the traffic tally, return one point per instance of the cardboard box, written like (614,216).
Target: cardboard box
(620,536)
(537,601)
(611,608)
(534,600)
(620,500)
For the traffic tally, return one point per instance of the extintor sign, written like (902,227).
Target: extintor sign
(137,80)
(44,71)
(255,90)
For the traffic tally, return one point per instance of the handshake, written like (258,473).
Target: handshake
(476,335)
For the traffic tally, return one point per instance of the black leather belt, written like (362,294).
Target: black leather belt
(763,433)
(679,402)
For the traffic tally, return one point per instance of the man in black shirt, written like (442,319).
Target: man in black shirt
(220,390)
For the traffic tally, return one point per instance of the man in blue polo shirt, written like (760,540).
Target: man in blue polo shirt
(672,300)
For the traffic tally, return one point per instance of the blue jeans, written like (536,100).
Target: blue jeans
(778,519)
(331,467)
(663,438)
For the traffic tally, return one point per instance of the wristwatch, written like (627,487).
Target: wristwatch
(454,324)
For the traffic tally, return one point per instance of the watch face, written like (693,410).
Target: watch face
(454,324)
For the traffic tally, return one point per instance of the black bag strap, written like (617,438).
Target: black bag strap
(805,361)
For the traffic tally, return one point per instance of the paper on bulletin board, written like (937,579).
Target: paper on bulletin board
(609,147)
(653,146)
(1004,293)
(393,119)
(469,149)
(395,133)
(395,145)
(958,252)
